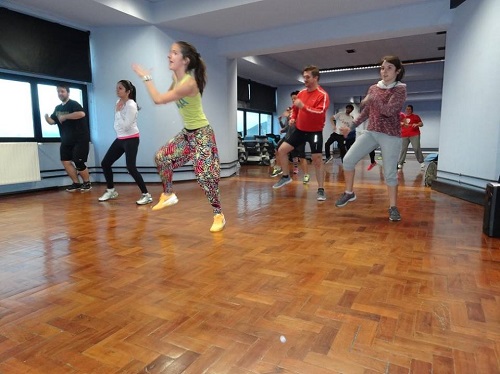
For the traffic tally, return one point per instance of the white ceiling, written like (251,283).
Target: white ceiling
(225,18)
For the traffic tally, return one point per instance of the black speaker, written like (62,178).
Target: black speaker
(491,221)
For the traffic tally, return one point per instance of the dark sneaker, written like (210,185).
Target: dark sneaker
(74,187)
(320,195)
(394,214)
(86,186)
(283,181)
(345,198)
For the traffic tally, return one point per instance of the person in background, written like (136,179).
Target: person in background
(308,118)
(297,156)
(196,141)
(340,121)
(410,132)
(381,106)
(127,141)
(69,116)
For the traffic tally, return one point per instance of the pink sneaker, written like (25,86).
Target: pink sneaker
(371,166)
(295,170)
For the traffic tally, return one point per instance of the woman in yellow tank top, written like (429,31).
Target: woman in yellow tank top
(196,141)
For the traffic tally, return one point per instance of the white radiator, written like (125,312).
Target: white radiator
(19,163)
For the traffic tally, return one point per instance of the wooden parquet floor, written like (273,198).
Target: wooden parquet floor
(89,287)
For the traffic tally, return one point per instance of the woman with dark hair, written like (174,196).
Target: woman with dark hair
(127,141)
(381,106)
(196,141)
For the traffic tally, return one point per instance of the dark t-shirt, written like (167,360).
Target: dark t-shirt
(71,130)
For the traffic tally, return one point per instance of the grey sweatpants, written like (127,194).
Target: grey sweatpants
(367,142)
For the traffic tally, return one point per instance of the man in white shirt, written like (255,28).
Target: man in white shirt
(339,121)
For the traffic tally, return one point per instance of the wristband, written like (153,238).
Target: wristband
(147,78)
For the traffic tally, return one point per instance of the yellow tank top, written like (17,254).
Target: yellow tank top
(191,109)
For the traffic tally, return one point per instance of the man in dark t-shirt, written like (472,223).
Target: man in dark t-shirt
(69,116)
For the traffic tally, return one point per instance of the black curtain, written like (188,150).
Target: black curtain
(32,45)
(455,3)
(243,90)
(262,97)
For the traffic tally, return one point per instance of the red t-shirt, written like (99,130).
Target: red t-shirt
(311,118)
(408,130)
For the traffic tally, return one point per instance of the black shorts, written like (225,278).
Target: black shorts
(299,151)
(299,138)
(75,151)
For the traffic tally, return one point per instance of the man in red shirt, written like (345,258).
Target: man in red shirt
(308,117)
(410,132)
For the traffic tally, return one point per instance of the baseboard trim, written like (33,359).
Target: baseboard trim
(472,194)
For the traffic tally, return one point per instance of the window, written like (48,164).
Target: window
(16,118)
(251,123)
(25,101)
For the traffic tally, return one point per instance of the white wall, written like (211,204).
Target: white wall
(469,146)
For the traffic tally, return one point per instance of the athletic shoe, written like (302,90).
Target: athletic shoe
(276,171)
(74,187)
(296,170)
(166,200)
(422,165)
(108,195)
(320,195)
(345,198)
(86,186)
(371,166)
(283,181)
(306,178)
(219,223)
(145,199)
(328,160)
(400,166)
(394,214)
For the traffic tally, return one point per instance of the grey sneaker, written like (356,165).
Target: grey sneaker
(74,187)
(345,198)
(320,195)
(109,194)
(394,214)
(145,199)
(283,181)
(276,171)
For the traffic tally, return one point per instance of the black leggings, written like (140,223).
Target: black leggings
(116,150)
(340,139)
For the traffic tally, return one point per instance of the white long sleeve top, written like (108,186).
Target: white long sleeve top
(126,120)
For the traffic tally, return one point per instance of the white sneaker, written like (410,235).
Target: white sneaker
(145,199)
(400,166)
(109,194)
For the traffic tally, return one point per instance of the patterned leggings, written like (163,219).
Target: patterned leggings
(200,147)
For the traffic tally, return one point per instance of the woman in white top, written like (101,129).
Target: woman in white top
(127,141)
